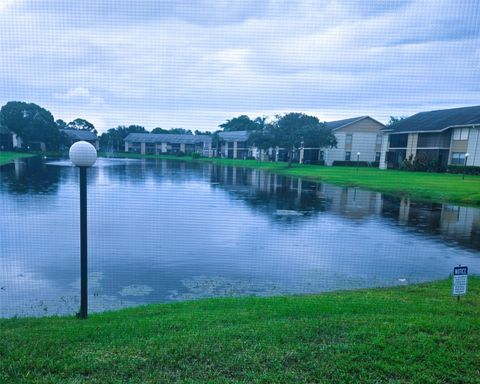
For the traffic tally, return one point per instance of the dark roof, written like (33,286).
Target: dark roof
(80,134)
(333,125)
(436,121)
(234,135)
(166,138)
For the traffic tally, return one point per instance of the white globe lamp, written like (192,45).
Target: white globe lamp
(83,154)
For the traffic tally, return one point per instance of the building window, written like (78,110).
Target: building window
(377,156)
(458,158)
(348,156)
(379,140)
(460,134)
(348,139)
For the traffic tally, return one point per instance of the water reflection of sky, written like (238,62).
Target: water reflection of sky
(161,231)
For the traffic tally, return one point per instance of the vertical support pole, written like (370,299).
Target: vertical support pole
(463,173)
(83,245)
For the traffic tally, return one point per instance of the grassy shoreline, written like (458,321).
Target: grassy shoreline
(435,187)
(6,157)
(406,334)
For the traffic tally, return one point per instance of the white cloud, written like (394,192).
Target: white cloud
(195,67)
(78,92)
(5,4)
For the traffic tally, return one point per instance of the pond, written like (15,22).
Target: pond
(162,231)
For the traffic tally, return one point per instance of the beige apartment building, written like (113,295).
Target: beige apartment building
(448,136)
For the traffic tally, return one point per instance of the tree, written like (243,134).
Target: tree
(197,132)
(61,124)
(113,138)
(176,131)
(242,123)
(395,120)
(180,131)
(32,123)
(216,142)
(159,130)
(292,131)
(82,124)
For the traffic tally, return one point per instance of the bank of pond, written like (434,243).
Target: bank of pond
(417,333)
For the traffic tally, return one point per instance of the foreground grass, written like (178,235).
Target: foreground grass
(411,334)
(438,187)
(6,157)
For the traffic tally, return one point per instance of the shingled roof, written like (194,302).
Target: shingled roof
(80,134)
(234,136)
(166,138)
(437,121)
(333,125)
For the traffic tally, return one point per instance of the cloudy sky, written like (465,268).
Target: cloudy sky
(194,64)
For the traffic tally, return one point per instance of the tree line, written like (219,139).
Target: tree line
(34,124)
(290,131)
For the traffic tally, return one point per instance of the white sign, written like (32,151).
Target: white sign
(460,280)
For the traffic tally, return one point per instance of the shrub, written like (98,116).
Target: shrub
(314,162)
(195,155)
(421,163)
(353,163)
(468,170)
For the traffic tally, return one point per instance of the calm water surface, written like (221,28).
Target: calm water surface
(164,231)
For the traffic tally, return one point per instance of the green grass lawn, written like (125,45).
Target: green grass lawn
(438,187)
(6,157)
(410,334)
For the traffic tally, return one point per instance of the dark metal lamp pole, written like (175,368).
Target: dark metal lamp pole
(83,155)
(83,245)
(465,166)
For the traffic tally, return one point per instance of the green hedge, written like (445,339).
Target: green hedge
(317,162)
(468,170)
(353,163)
(422,163)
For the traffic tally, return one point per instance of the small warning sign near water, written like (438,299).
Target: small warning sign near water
(460,281)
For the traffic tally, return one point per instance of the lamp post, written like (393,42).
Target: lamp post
(358,160)
(83,155)
(465,165)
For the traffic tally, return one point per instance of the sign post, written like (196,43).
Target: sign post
(460,281)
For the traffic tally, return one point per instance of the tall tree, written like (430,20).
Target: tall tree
(292,131)
(180,131)
(61,124)
(82,124)
(242,123)
(159,130)
(32,123)
(395,120)
(113,138)
(177,131)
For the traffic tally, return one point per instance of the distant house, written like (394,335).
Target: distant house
(9,140)
(6,139)
(445,136)
(361,135)
(75,135)
(234,145)
(156,143)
